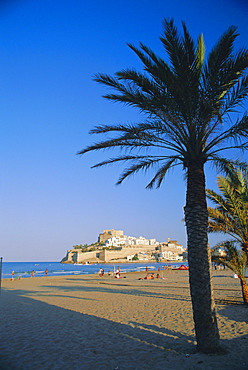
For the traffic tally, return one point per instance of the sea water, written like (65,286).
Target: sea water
(24,269)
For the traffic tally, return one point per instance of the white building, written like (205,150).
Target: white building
(127,241)
(141,241)
(171,256)
(117,241)
(171,250)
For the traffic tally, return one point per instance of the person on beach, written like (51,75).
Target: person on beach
(12,275)
(118,273)
(148,277)
(32,273)
(101,272)
(46,272)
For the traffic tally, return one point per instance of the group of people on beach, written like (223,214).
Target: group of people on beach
(150,277)
(32,274)
(116,274)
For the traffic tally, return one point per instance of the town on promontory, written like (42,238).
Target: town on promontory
(113,246)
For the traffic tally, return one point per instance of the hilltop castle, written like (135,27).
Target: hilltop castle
(114,246)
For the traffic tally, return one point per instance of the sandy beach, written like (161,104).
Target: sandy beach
(88,322)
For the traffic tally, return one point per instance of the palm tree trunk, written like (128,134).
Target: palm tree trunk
(200,279)
(244,288)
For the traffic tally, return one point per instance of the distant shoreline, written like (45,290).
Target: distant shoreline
(24,269)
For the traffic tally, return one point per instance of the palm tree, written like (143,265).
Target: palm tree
(231,213)
(231,217)
(184,102)
(235,260)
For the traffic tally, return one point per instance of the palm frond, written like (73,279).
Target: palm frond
(239,129)
(140,164)
(232,257)
(230,215)
(159,176)
(201,49)
(216,198)
(128,158)
(235,96)
(186,63)
(216,63)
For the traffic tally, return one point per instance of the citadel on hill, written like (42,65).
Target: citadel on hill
(114,246)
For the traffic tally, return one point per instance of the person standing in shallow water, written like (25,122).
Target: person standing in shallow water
(118,273)
(46,272)
(32,273)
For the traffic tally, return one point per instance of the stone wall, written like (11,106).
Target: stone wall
(77,256)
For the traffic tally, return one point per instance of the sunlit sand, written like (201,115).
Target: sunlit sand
(92,322)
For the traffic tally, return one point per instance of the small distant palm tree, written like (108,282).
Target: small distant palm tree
(230,216)
(184,101)
(235,259)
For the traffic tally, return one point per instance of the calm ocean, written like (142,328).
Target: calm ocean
(23,269)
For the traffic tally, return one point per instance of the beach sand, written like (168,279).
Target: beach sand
(88,322)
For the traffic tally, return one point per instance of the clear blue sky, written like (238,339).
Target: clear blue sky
(50,198)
